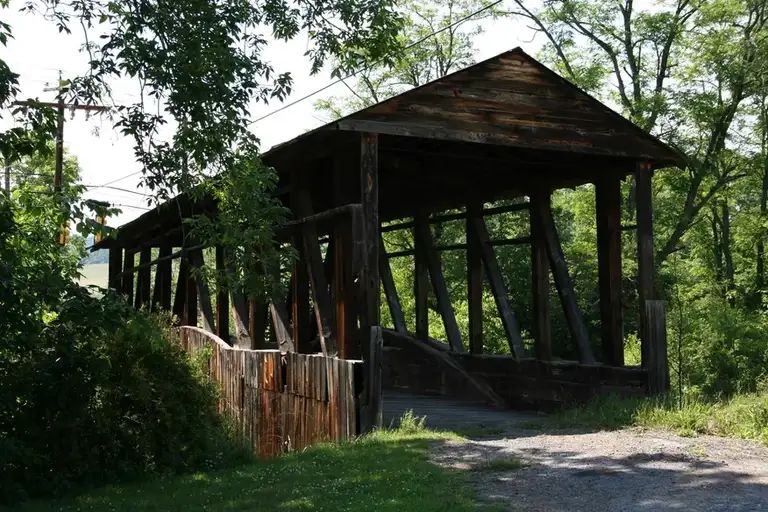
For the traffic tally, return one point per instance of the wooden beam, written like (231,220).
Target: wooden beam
(523,240)
(372,410)
(440,288)
(474,281)
(127,277)
(658,365)
(608,209)
(390,291)
(369,198)
(143,280)
(300,312)
(180,298)
(437,219)
(573,317)
(279,316)
(542,329)
(257,325)
(115,267)
(498,288)
(197,263)
(190,302)
(165,267)
(421,282)
(345,191)
(645,265)
(316,273)
(222,298)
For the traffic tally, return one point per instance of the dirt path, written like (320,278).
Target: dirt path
(628,470)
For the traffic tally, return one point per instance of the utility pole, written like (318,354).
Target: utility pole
(60,106)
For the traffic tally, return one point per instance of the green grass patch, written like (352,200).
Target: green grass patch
(480,431)
(388,470)
(742,416)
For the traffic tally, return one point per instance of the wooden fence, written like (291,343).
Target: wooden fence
(281,402)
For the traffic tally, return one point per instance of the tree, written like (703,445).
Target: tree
(445,30)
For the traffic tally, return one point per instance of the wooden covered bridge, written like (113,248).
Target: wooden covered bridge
(505,128)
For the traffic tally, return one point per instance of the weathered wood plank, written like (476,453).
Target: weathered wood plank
(222,298)
(180,298)
(280,323)
(645,264)
(390,291)
(440,288)
(143,280)
(608,206)
(197,264)
(369,198)
(115,268)
(656,329)
(498,288)
(576,325)
(190,302)
(300,310)
(474,281)
(371,412)
(421,282)
(165,268)
(316,273)
(258,311)
(542,329)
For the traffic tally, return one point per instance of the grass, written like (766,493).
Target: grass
(743,416)
(480,431)
(388,470)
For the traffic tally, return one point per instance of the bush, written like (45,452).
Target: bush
(91,391)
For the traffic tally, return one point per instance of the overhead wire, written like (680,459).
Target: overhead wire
(375,63)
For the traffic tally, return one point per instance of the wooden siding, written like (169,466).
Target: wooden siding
(511,100)
(280,402)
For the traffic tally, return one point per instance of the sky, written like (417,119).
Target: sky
(38,52)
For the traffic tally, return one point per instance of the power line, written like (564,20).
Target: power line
(350,75)
(114,181)
(94,187)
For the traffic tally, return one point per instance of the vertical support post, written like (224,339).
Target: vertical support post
(345,191)
(144,279)
(542,328)
(257,323)
(371,412)
(190,303)
(180,299)
(165,268)
(645,265)
(608,207)
(127,279)
(421,280)
(370,330)
(222,299)
(656,331)
(390,291)
(115,268)
(197,262)
(474,280)
(300,313)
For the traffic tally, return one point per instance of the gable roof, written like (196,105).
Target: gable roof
(509,100)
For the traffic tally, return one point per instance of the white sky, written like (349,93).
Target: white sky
(38,51)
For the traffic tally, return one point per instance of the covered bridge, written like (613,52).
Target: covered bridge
(505,128)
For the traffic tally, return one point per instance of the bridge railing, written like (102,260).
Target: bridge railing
(281,402)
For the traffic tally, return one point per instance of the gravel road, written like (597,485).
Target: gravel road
(627,470)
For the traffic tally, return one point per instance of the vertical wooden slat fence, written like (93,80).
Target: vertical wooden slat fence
(281,402)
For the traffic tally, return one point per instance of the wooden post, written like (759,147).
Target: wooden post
(345,191)
(257,325)
(390,291)
(369,197)
(144,279)
(499,289)
(128,263)
(197,262)
(608,206)
(421,281)
(440,288)
(474,281)
(656,331)
(645,268)
(166,282)
(222,299)
(115,267)
(299,304)
(372,402)
(180,298)
(573,317)
(190,303)
(542,328)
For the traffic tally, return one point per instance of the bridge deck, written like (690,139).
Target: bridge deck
(447,414)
